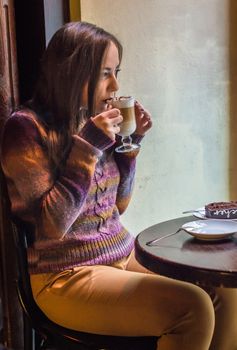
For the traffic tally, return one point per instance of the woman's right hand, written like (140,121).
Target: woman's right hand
(108,122)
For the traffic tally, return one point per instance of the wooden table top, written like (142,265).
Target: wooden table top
(185,258)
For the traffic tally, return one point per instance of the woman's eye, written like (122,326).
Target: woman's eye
(117,72)
(107,73)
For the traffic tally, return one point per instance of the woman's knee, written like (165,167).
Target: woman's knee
(190,319)
(179,305)
(200,304)
(193,308)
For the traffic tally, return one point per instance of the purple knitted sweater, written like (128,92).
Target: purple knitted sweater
(76,215)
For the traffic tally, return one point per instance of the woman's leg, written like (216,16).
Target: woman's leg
(225,305)
(110,300)
(225,334)
(167,339)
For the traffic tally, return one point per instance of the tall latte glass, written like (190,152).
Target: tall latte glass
(126,106)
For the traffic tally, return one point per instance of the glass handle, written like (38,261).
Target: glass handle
(126,141)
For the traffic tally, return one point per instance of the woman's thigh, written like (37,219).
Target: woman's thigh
(112,300)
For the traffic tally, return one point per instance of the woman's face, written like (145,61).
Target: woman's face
(107,84)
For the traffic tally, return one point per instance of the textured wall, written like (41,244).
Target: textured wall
(176,62)
(53,12)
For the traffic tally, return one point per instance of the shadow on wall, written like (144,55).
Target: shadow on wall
(233,99)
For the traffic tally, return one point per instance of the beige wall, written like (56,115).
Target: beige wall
(176,62)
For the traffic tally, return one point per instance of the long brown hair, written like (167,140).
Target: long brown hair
(72,59)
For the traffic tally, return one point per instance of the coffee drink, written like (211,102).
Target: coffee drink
(126,106)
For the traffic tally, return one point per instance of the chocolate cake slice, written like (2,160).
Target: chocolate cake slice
(221,210)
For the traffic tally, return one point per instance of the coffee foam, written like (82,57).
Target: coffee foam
(123,102)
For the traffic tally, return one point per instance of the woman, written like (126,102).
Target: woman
(65,179)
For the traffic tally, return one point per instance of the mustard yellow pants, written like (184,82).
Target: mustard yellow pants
(127,299)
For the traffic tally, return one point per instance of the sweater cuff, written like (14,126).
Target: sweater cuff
(95,136)
(137,138)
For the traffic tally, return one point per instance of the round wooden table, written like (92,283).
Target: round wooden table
(185,258)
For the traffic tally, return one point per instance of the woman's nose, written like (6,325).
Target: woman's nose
(114,86)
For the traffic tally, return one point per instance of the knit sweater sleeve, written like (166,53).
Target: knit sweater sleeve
(51,204)
(126,163)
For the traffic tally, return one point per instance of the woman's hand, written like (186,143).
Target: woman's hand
(143,119)
(108,122)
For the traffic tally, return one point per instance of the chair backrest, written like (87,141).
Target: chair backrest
(21,236)
(12,313)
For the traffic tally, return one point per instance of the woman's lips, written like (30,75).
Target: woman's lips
(108,103)
(109,100)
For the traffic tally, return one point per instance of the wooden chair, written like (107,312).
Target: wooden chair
(42,333)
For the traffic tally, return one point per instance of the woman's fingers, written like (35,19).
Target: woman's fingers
(143,119)
(108,122)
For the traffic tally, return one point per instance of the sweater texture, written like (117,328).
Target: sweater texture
(76,214)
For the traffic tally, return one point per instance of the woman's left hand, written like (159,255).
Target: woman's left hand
(143,119)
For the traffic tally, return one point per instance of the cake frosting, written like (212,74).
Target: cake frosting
(221,210)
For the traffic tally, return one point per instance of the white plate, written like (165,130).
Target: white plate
(200,214)
(211,229)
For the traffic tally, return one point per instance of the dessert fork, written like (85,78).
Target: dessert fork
(191,211)
(153,241)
